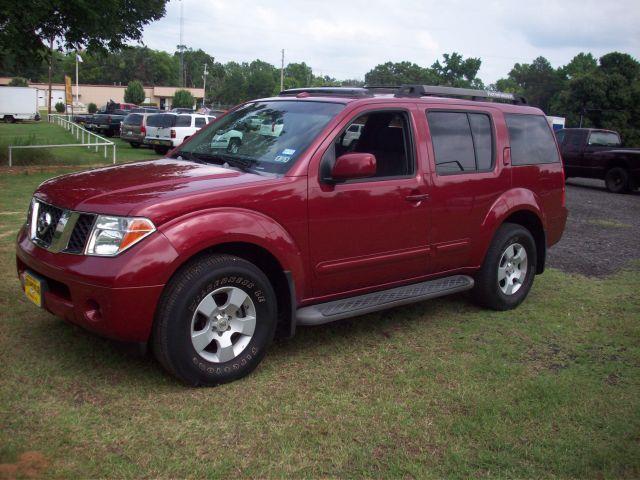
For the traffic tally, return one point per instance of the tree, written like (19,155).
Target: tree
(456,72)
(134,93)
(18,82)
(398,74)
(183,99)
(539,82)
(26,32)
(260,79)
(60,107)
(92,108)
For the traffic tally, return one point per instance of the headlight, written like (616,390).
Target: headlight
(113,235)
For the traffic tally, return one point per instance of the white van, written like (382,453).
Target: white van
(168,130)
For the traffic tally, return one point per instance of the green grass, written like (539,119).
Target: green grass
(438,389)
(43,133)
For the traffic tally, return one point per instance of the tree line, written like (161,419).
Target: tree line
(602,93)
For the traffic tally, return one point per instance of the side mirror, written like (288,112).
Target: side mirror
(353,165)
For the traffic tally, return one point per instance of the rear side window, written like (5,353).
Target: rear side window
(161,120)
(133,119)
(531,140)
(604,139)
(183,121)
(200,122)
(462,142)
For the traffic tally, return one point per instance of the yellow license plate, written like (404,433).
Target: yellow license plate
(33,288)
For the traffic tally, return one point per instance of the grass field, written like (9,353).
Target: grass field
(437,389)
(43,133)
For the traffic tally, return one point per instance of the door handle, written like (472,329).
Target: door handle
(417,198)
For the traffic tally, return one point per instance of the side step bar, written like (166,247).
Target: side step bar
(373,302)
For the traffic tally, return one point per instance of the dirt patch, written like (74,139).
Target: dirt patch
(29,465)
(601,236)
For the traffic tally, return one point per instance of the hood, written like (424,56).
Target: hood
(121,189)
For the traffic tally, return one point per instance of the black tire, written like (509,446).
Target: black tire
(487,291)
(172,342)
(135,144)
(9,119)
(234,145)
(617,180)
(161,150)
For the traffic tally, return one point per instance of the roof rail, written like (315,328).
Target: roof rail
(439,91)
(328,91)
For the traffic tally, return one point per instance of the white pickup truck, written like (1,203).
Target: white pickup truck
(18,103)
(168,130)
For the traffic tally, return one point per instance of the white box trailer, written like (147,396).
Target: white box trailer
(18,103)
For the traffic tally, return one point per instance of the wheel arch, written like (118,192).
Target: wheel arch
(252,237)
(519,206)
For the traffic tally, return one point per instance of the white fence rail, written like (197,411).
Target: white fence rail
(87,139)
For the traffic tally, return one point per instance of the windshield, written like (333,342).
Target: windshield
(262,136)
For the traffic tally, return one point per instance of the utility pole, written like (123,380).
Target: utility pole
(181,46)
(204,85)
(282,72)
(50,68)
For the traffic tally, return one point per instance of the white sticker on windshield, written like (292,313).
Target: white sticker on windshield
(282,159)
(288,151)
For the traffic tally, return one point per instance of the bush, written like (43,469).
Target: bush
(18,82)
(92,108)
(60,107)
(183,99)
(134,93)
(149,104)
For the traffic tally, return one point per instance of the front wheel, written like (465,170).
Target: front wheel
(134,144)
(507,273)
(617,180)
(215,320)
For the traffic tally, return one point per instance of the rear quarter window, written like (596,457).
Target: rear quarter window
(183,121)
(531,140)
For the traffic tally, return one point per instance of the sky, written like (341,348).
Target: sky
(347,38)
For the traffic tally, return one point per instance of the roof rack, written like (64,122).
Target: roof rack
(438,91)
(328,91)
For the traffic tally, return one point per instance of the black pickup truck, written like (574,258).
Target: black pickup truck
(594,153)
(108,119)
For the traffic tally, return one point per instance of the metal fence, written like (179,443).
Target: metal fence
(87,139)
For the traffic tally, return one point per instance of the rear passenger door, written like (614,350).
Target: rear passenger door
(467,176)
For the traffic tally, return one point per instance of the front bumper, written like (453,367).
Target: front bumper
(114,297)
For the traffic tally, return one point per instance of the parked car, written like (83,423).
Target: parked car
(595,153)
(134,128)
(352,135)
(171,130)
(209,254)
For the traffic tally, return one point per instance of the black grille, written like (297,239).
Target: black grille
(45,231)
(80,233)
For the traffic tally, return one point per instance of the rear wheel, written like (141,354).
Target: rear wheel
(9,119)
(215,320)
(617,180)
(160,150)
(508,269)
(135,144)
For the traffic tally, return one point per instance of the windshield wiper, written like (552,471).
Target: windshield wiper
(243,163)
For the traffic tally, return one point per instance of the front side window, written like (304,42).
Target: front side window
(531,140)
(604,139)
(462,141)
(262,136)
(385,134)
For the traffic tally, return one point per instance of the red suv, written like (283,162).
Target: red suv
(210,252)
